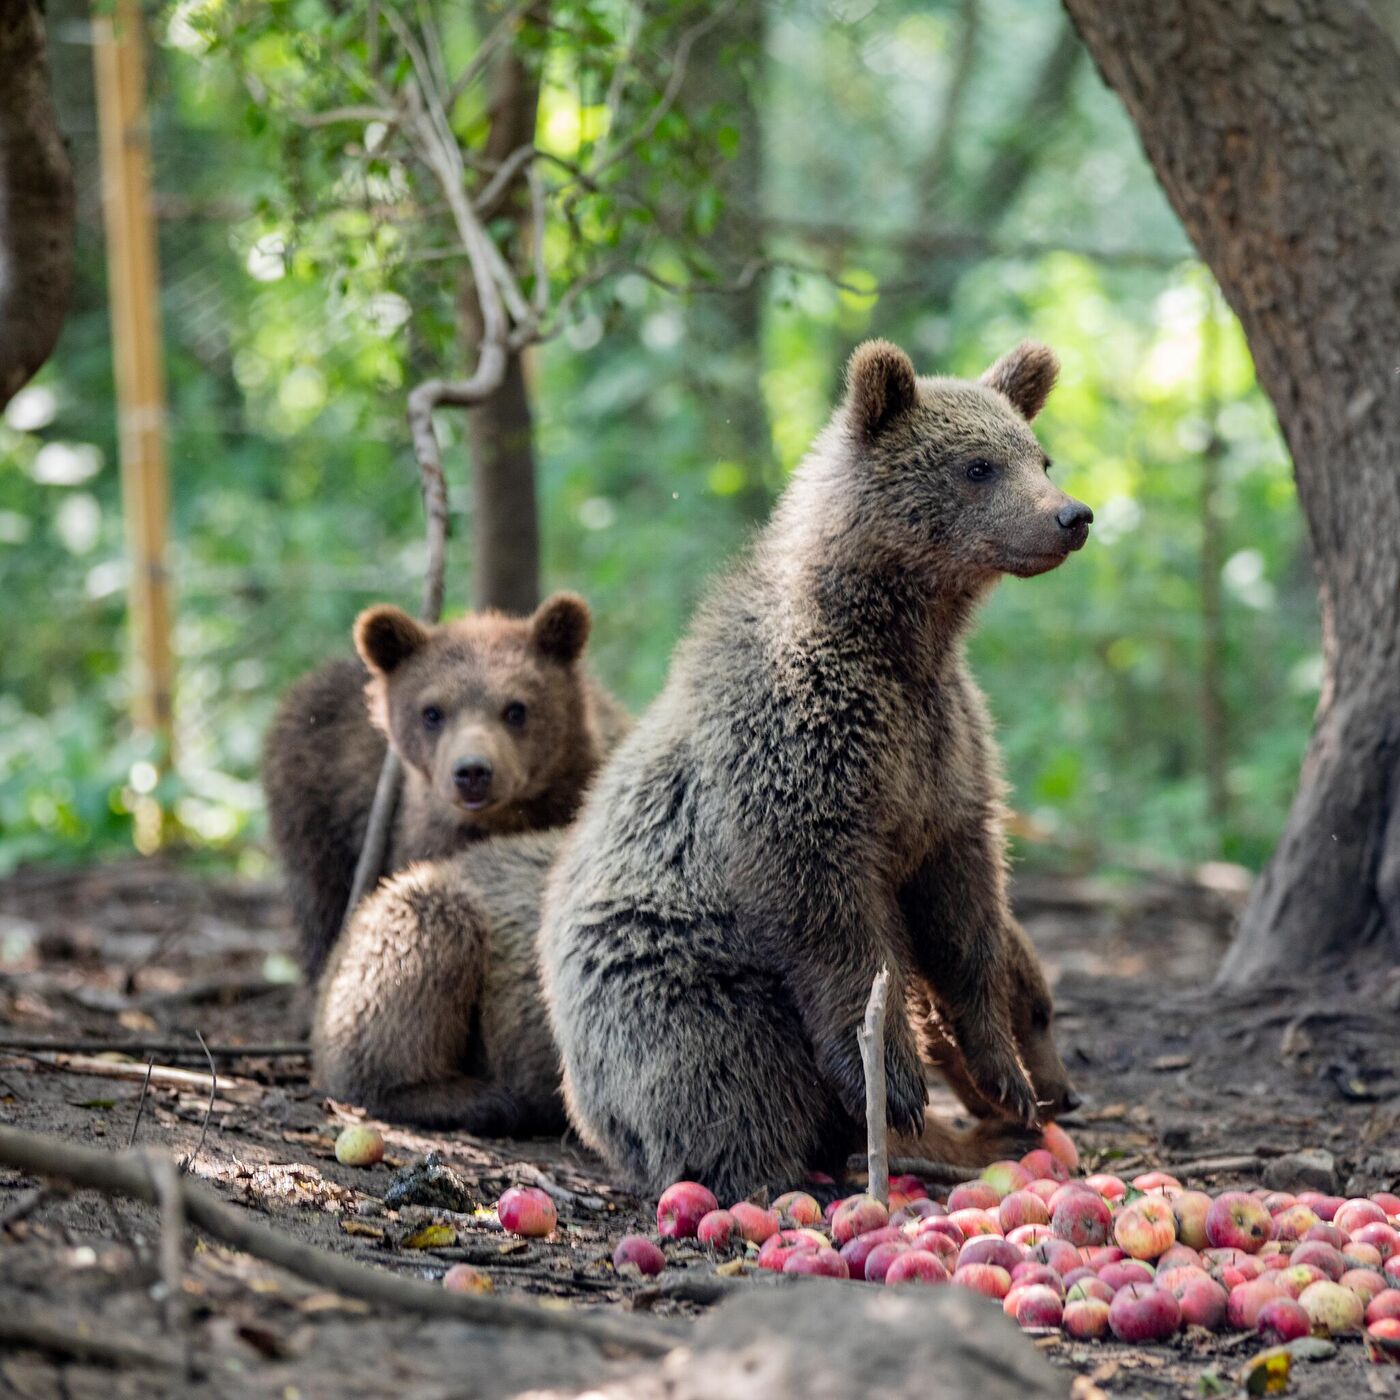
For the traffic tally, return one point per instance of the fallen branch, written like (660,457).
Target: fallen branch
(178,1049)
(871,1038)
(127,1174)
(62,1336)
(1211,1166)
(926,1168)
(192,1081)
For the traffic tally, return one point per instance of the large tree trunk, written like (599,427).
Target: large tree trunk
(36,202)
(1274,126)
(505,509)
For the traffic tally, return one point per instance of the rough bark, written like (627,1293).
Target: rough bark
(37,211)
(1274,127)
(505,508)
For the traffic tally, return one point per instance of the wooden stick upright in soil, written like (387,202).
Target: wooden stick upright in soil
(871,1038)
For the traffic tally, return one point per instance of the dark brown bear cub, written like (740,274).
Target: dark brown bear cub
(498,726)
(814,795)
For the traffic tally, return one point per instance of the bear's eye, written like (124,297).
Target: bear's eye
(1040,1017)
(980,470)
(432,717)
(514,715)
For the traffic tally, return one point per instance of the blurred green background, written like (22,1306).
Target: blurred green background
(951,175)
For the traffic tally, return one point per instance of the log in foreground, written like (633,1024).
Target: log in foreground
(127,1174)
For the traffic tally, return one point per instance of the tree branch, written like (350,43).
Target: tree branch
(128,1174)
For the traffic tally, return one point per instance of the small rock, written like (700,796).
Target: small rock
(1311,1349)
(430,1183)
(1313,1169)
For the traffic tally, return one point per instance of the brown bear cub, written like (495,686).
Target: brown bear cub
(813,795)
(498,726)
(429,1010)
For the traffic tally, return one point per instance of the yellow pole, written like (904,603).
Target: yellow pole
(134,289)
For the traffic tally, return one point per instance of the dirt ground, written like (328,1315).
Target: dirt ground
(1171,1075)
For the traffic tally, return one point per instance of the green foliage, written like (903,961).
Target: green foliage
(306,288)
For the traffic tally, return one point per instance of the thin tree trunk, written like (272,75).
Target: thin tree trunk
(724,81)
(1214,718)
(37,209)
(984,203)
(505,507)
(1274,127)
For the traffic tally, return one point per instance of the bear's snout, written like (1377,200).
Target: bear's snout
(1075,517)
(472,779)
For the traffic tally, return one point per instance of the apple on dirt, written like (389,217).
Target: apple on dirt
(917,1266)
(1147,1228)
(877,1262)
(988,1279)
(527,1211)
(821,1260)
(462,1278)
(1038,1306)
(715,1228)
(798,1207)
(857,1215)
(1283,1320)
(1086,1319)
(753,1223)
(1142,1313)
(1081,1217)
(641,1253)
(1332,1308)
(681,1209)
(359,1146)
(1237,1220)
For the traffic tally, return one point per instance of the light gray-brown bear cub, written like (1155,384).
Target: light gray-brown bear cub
(814,795)
(429,1010)
(498,725)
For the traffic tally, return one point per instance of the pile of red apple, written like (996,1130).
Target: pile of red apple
(1096,1256)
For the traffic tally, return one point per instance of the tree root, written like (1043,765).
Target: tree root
(128,1174)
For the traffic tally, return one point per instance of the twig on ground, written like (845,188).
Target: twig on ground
(165,1181)
(125,1173)
(208,1108)
(871,1038)
(59,1336)
(1210,1166)
(550,1187)
(940,1173)
(141,1103)
(239,1090)
(178,1049)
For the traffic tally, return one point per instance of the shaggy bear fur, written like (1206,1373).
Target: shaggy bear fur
(499,728)
(814,795)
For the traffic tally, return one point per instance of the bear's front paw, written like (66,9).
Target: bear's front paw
(999,1077)
(905,1090)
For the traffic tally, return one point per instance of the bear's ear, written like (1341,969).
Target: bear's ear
(879,386)
(386,637)
(1025,375)
(559,627)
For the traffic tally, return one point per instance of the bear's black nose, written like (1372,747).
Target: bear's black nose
(1074,515)
(472,778)
(1072,1101)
